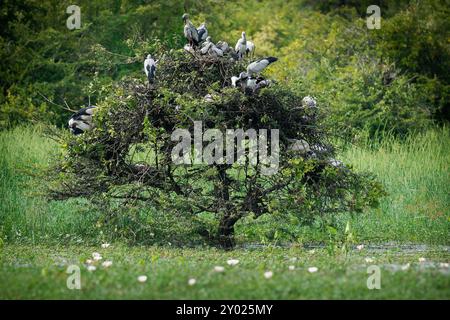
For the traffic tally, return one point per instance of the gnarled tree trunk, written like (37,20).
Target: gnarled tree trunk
(226,231)
(226,225)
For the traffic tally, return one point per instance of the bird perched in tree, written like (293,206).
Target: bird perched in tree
(81,121)
(190,32)
(208,98)
(243,78)
(234,81)
(150,68)
(239,81)
(202,32)
(206,46)
(216,51)
(189,49)
(336,163)
(318,148)
(222,45)
(320,151)
(243,75)
(259,65)
(250,84)
(209,47)
(250,50)
(262,83)
(241,46)
(309,102)
(300,146)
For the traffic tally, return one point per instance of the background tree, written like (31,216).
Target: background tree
(324,46)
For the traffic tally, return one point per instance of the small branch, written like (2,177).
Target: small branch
(67,108)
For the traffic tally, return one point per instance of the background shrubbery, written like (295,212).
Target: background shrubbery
(394,79)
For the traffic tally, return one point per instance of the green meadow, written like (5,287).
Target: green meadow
(41,238)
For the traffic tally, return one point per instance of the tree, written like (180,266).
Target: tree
(129,155)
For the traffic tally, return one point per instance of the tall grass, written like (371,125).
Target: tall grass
(415,173)
(25,215)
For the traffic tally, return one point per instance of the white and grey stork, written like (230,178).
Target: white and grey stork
(262,83)
(309,102)
(336,163)
(241,46)
(208,98)
(250,50)
(206,46)
(222,45)
(241,80)
(150,68)
(299,145)
(234,81)
(259,65)
(216,51)
(190,32)
(250,84)
(318,150)
(209,47)
(202,32)
(81,121)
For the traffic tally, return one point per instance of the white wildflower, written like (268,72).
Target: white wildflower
(405,266)
(107,264)
(219,269)
(97,256)
(233,262)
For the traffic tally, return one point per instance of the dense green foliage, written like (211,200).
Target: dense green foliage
(393,79)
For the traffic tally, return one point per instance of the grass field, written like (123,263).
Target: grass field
(39,239)
(40,272)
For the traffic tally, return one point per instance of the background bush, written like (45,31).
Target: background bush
(394,79)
